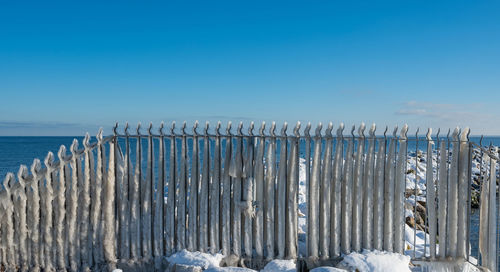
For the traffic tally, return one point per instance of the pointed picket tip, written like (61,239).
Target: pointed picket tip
(372,130)
(404,131)
(262,128)
(115,129)
(36,166)
(217,128)
(284,128)
(228,128)
(385,131)
(183,129)
(428,135)
(160,129)
(455,133)
(250,128)
(340,130)
(329,129)
(99,135)
(61,153)
(22,173)
(150,128)
(49,160)
(395,131)
(272,129)
(319,127)
(74,146)
(86,140)
(307,129)
(195,128)
(207,125)
(352,130)
(296,130)
(361,129)
(465,134)
(172,128)
(8,181)
(240,128)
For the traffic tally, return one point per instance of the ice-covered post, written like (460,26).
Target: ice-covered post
(292,190)
(20,217)
(389,194)
(378,195)
(72,222)
(159,228)
(324,198)
(368,181)
(109,207)
(335,214)
(347,195)
(123,202)
(47,222)
(181,200)
(215,182)
(88,179)
(313,197)
(248,191)
(60,232)
(192,231)
(204,193)
(236,174)
(399,192)
(226,195)
(8,223)
(146,200)
(463,194)
(431,196)
(33,215)
(259,193)
(270,181)
(281,194)
(453,196)
(170,209)
(357,199)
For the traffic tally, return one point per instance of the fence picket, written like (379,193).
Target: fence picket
(389,195)
(226,195)
(84,206)
(159,203)
(324,198)
(181,201)
(378,197)
(34,215)
(292,190)
(453,197)
(368,181)
(204,194)
(20,218)
(431,197)
(192,231)
(442,190)
(170,231)
(346,206)
(280,204)
(259,195)
(463,195)
(399,192)
(335,212)
(357,191)
(247,194)
(214,204)
(269,199)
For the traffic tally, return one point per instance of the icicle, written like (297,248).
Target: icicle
(8,222)
(34,215)
(280,195)
(270,181)
(313,197)
(84,207)
(324,198)
(226,196)
(463,194)
(399,192)
(159,228)
(170,211)
(181,204)
(453,197)
(357,197)
(146,201)
(335,212)
(76,173)
(389,194)
(215,193)
(192,231)
(109,207)
(203,201)
(378,197)
(368,192)
(47,222)
(135,208)
(442,198)
(95,208)
(259,194)
(60,233)
(431,196)
(347,196)
(20,218)
(247,195)
(292,190)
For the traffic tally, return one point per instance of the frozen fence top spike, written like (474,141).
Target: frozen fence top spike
(195,128)
(207,125)
(361,130)
(115,128)
(150,128)
(464,135)
(22,173)
(99,134)
(455,133)
(217,128)
(49,160)
(250,128)
(340,130)
(448,134)
(74,146)
(284,128)
(126,128)
(318,129)
(372,130)
(8,180)
(352,130)
(385,131)
(272,129)
(262,128)
(61,154)
(329,129)
(160,130)
(307,129)
(428,135)
(404,132)
(36,166)
(228,128)
(240,128)
(296,130)
(395,131)
(86,140)
(172,128)
(183,129)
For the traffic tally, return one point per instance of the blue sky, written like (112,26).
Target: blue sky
(68,67)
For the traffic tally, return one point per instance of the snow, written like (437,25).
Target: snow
(203,260)
(280,265)
(327,269)
(376,261)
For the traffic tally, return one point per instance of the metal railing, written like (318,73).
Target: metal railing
(239,194)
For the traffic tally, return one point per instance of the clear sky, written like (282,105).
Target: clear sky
(68,67)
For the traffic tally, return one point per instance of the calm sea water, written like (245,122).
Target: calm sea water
(22,150)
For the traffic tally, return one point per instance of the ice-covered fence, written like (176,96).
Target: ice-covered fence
(143,196)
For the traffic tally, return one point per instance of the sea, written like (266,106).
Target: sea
(17,150)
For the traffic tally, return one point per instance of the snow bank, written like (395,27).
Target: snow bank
(375,261)
(327,269)
(229,269)
(203,260)
(280,265)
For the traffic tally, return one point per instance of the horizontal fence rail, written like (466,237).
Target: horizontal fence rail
(140,197)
